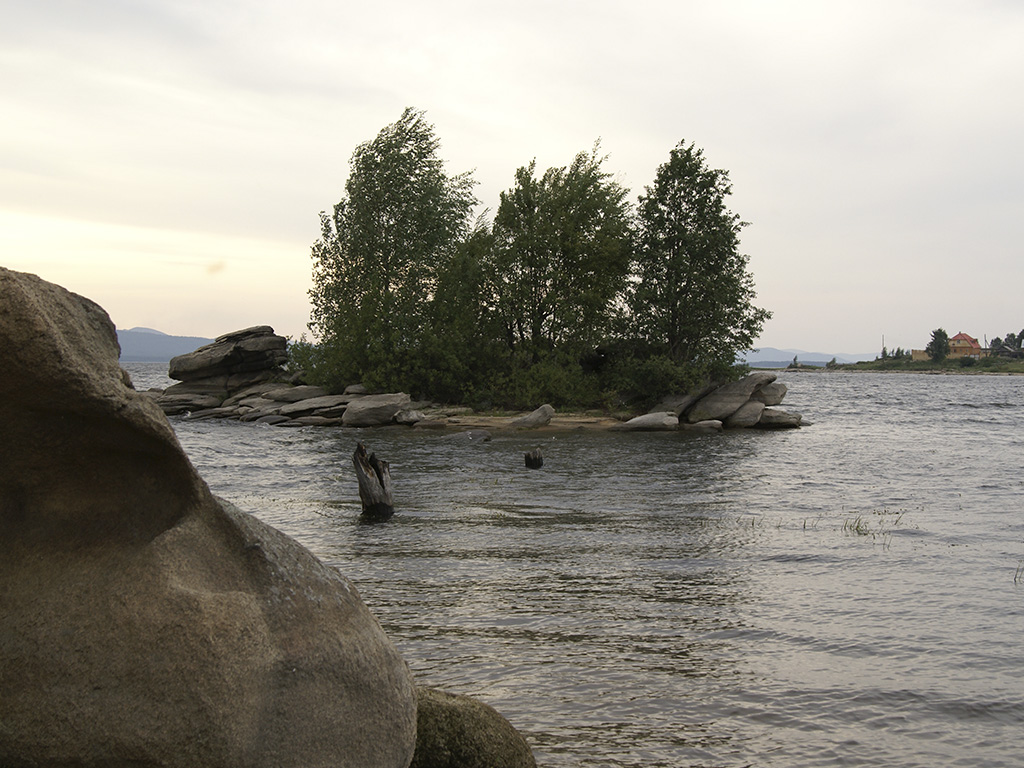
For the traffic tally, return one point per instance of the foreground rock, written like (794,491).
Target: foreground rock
(144,621)
(455,731)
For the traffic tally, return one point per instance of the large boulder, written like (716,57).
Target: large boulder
(774,418)
(747,415)
(250,350)
(455,731)
(145,622)
(771,394)
(727,399)
(374,410)
(538,418)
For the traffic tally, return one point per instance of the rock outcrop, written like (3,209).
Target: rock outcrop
(248,361)
(146,622)
(256,349)
(239,376)
(742,404)
(728,398)
(455,731)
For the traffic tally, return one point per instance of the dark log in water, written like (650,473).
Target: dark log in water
(374,478)
(534,459)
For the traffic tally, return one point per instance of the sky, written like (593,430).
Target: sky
(169,158)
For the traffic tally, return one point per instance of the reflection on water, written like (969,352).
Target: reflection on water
(841,594)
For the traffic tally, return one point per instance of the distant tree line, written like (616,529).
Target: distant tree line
(570,295)
(1009,347)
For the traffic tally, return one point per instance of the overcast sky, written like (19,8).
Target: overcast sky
(168,158)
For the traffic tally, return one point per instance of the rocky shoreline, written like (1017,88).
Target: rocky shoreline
(240,376)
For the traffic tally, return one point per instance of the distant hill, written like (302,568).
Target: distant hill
(145,345)
(770,357)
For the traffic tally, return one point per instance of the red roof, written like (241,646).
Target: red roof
(969,339)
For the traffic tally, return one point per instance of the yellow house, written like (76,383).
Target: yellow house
(960,345)
(963,345)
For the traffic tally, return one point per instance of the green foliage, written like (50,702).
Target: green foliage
(1010,347)
(561,257)
(633,379)
(381,253)
(693,297)
(938,347)
(556,302)
(557,380)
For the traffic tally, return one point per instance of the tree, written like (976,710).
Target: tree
(693,300)
(459,353)
(562,249)
(938,347)
(381,251)
(1010,346)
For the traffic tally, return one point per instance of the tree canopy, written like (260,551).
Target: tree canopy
(383,249)
(938,347)
(570,296)
(561,256)
(693,297)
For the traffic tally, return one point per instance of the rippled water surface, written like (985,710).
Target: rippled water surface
(850,593)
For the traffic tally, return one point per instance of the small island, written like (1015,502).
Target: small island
(241,376)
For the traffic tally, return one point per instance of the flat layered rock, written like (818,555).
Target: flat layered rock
(301,392)
(318,405)
(251,350)
(649,422)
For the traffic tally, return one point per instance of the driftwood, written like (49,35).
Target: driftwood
(374,478)
(535,459)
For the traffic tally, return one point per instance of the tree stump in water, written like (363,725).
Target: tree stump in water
(374,478)
(534,459)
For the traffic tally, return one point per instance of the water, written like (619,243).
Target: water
(847,594)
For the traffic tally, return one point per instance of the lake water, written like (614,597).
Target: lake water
(846,594)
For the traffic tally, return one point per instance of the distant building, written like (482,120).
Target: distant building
(963,345)
(960,345)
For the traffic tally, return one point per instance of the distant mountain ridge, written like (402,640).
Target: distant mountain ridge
(771,357)
(146,345)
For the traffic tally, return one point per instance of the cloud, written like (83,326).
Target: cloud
(872,145)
